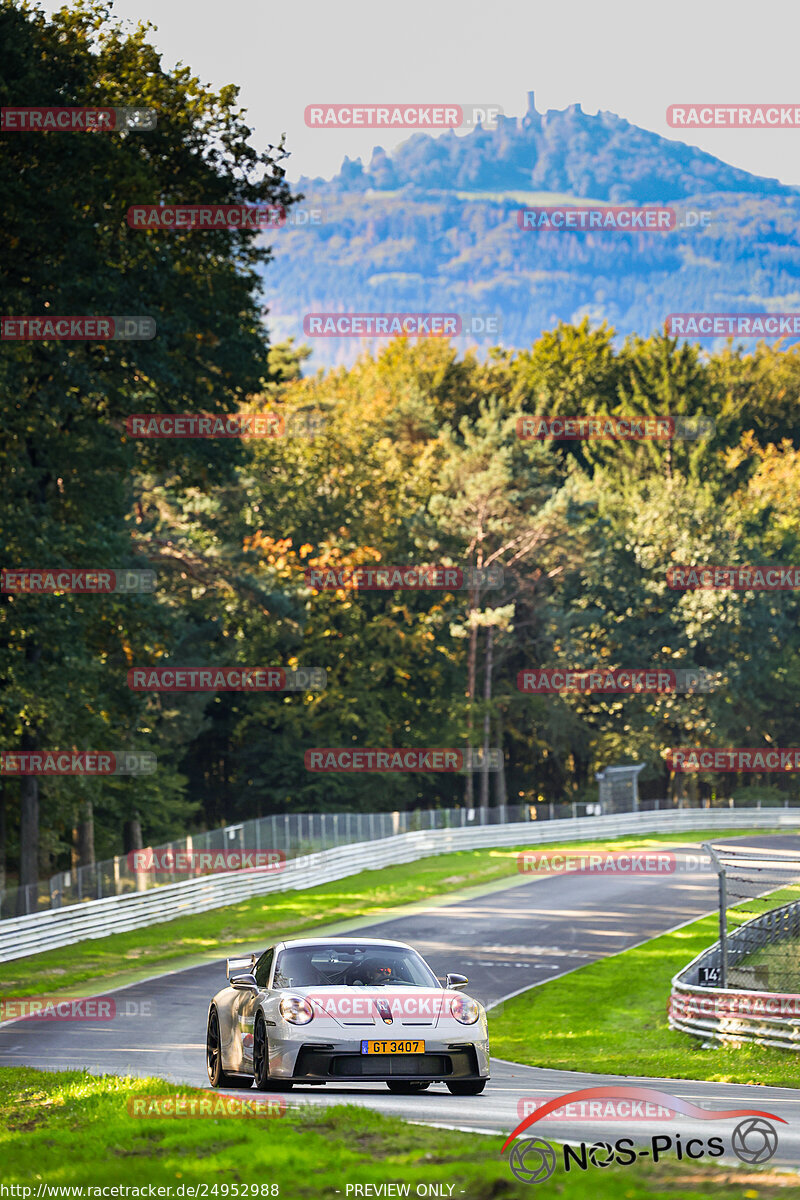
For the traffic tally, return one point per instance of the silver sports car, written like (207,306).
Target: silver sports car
(337,1010)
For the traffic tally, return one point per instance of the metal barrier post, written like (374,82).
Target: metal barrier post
(723,913)
(723,924)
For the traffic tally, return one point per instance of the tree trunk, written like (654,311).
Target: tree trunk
(487,698)
(28,834)
(29,815)
(471,670)
(132,834)
(2,834)
(500,795)
(85,836)
(132,840)
(677,788)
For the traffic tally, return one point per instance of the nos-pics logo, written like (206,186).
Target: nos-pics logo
(754,1139)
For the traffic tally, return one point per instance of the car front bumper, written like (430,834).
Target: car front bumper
(342,1061)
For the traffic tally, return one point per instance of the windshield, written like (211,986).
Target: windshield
(356,966)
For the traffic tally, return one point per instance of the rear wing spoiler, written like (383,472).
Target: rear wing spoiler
(240,966)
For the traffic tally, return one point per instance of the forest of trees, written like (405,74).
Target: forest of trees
(416,460)
(453,251)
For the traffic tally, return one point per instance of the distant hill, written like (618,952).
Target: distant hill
(433,228)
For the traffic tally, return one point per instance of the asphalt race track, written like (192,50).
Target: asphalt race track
(505,940)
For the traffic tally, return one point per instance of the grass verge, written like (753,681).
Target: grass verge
(68,1128)
(123,957)
(610,1016)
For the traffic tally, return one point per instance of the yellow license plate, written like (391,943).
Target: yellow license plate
(392,1047)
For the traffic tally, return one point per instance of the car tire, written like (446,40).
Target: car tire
(406,1087)
(261,1061)
(216,1076)
(467,1087)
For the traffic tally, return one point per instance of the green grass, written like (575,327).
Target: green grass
(253,924)
(69,1128)
(610,1016)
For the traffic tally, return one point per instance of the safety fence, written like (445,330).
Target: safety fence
(747,1011)
(50,929)
(291,835)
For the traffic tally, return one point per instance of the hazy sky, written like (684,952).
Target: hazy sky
(632,57)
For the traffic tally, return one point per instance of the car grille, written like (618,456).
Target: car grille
(391,1064)
(317,1062)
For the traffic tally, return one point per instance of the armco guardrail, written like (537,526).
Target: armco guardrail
(291,834)
(736,1014)
(48,930)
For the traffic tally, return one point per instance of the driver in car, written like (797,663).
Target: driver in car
(371,972)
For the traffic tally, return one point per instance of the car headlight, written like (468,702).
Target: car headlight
(465,1010)
(296,1011)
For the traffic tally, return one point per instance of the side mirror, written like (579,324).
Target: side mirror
(245,983)
(456,983)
